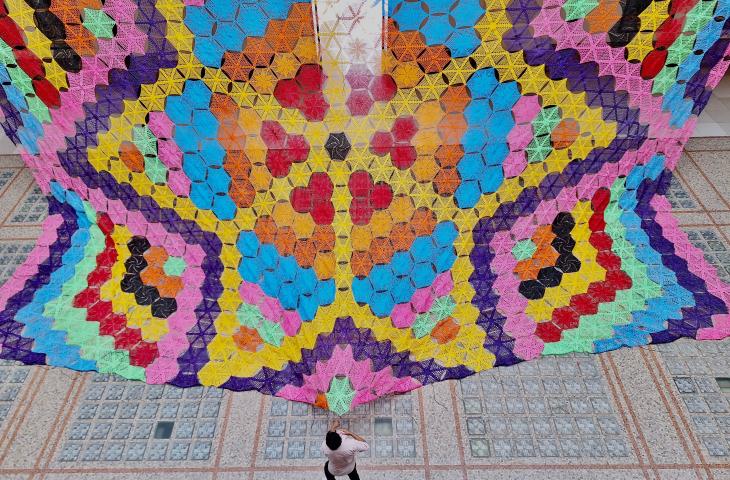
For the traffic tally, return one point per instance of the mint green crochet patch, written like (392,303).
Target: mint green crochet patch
(542,126)
(576,9)
(156,170)
(99,23)
(174,266)
(249,316)
(524,249)
(340,395)
(146,142)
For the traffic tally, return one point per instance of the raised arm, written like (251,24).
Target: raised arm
(353,435)
(334,425)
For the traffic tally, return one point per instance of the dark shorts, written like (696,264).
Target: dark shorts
(352,475)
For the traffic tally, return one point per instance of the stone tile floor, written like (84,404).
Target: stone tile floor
(654,413)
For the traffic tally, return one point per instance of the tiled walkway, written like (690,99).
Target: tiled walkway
(655,413)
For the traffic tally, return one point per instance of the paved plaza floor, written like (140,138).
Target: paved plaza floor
(656,413)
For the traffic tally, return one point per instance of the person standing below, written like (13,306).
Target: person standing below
(340,447)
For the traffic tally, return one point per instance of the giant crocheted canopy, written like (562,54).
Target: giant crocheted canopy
(339,200)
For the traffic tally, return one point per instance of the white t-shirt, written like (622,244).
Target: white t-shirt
(342,460)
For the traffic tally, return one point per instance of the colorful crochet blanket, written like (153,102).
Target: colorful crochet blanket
(339,200)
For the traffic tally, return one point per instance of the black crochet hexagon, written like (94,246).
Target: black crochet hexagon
(337,146)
